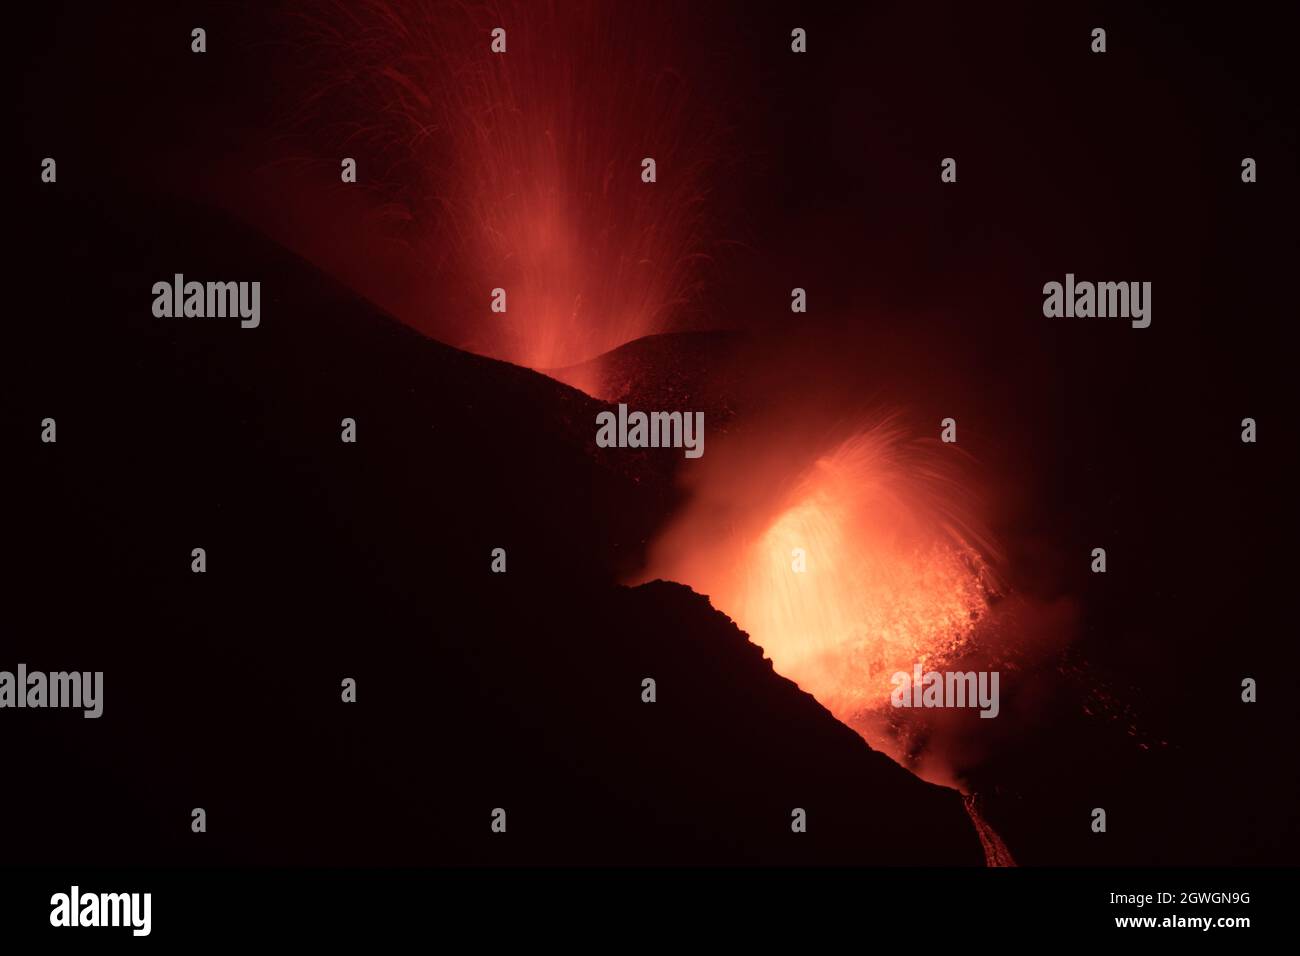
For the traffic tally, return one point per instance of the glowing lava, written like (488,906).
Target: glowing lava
(521,169)
(868,565)
(879,591)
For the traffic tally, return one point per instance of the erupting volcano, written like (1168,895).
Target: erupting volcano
(507,164)
(562,422)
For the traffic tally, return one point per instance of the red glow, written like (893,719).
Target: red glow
(896,572)
(522,170)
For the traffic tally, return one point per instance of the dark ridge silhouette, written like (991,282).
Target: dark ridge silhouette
(327,560)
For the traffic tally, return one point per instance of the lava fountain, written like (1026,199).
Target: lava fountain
(847,566)
(504,149)
(855,579)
